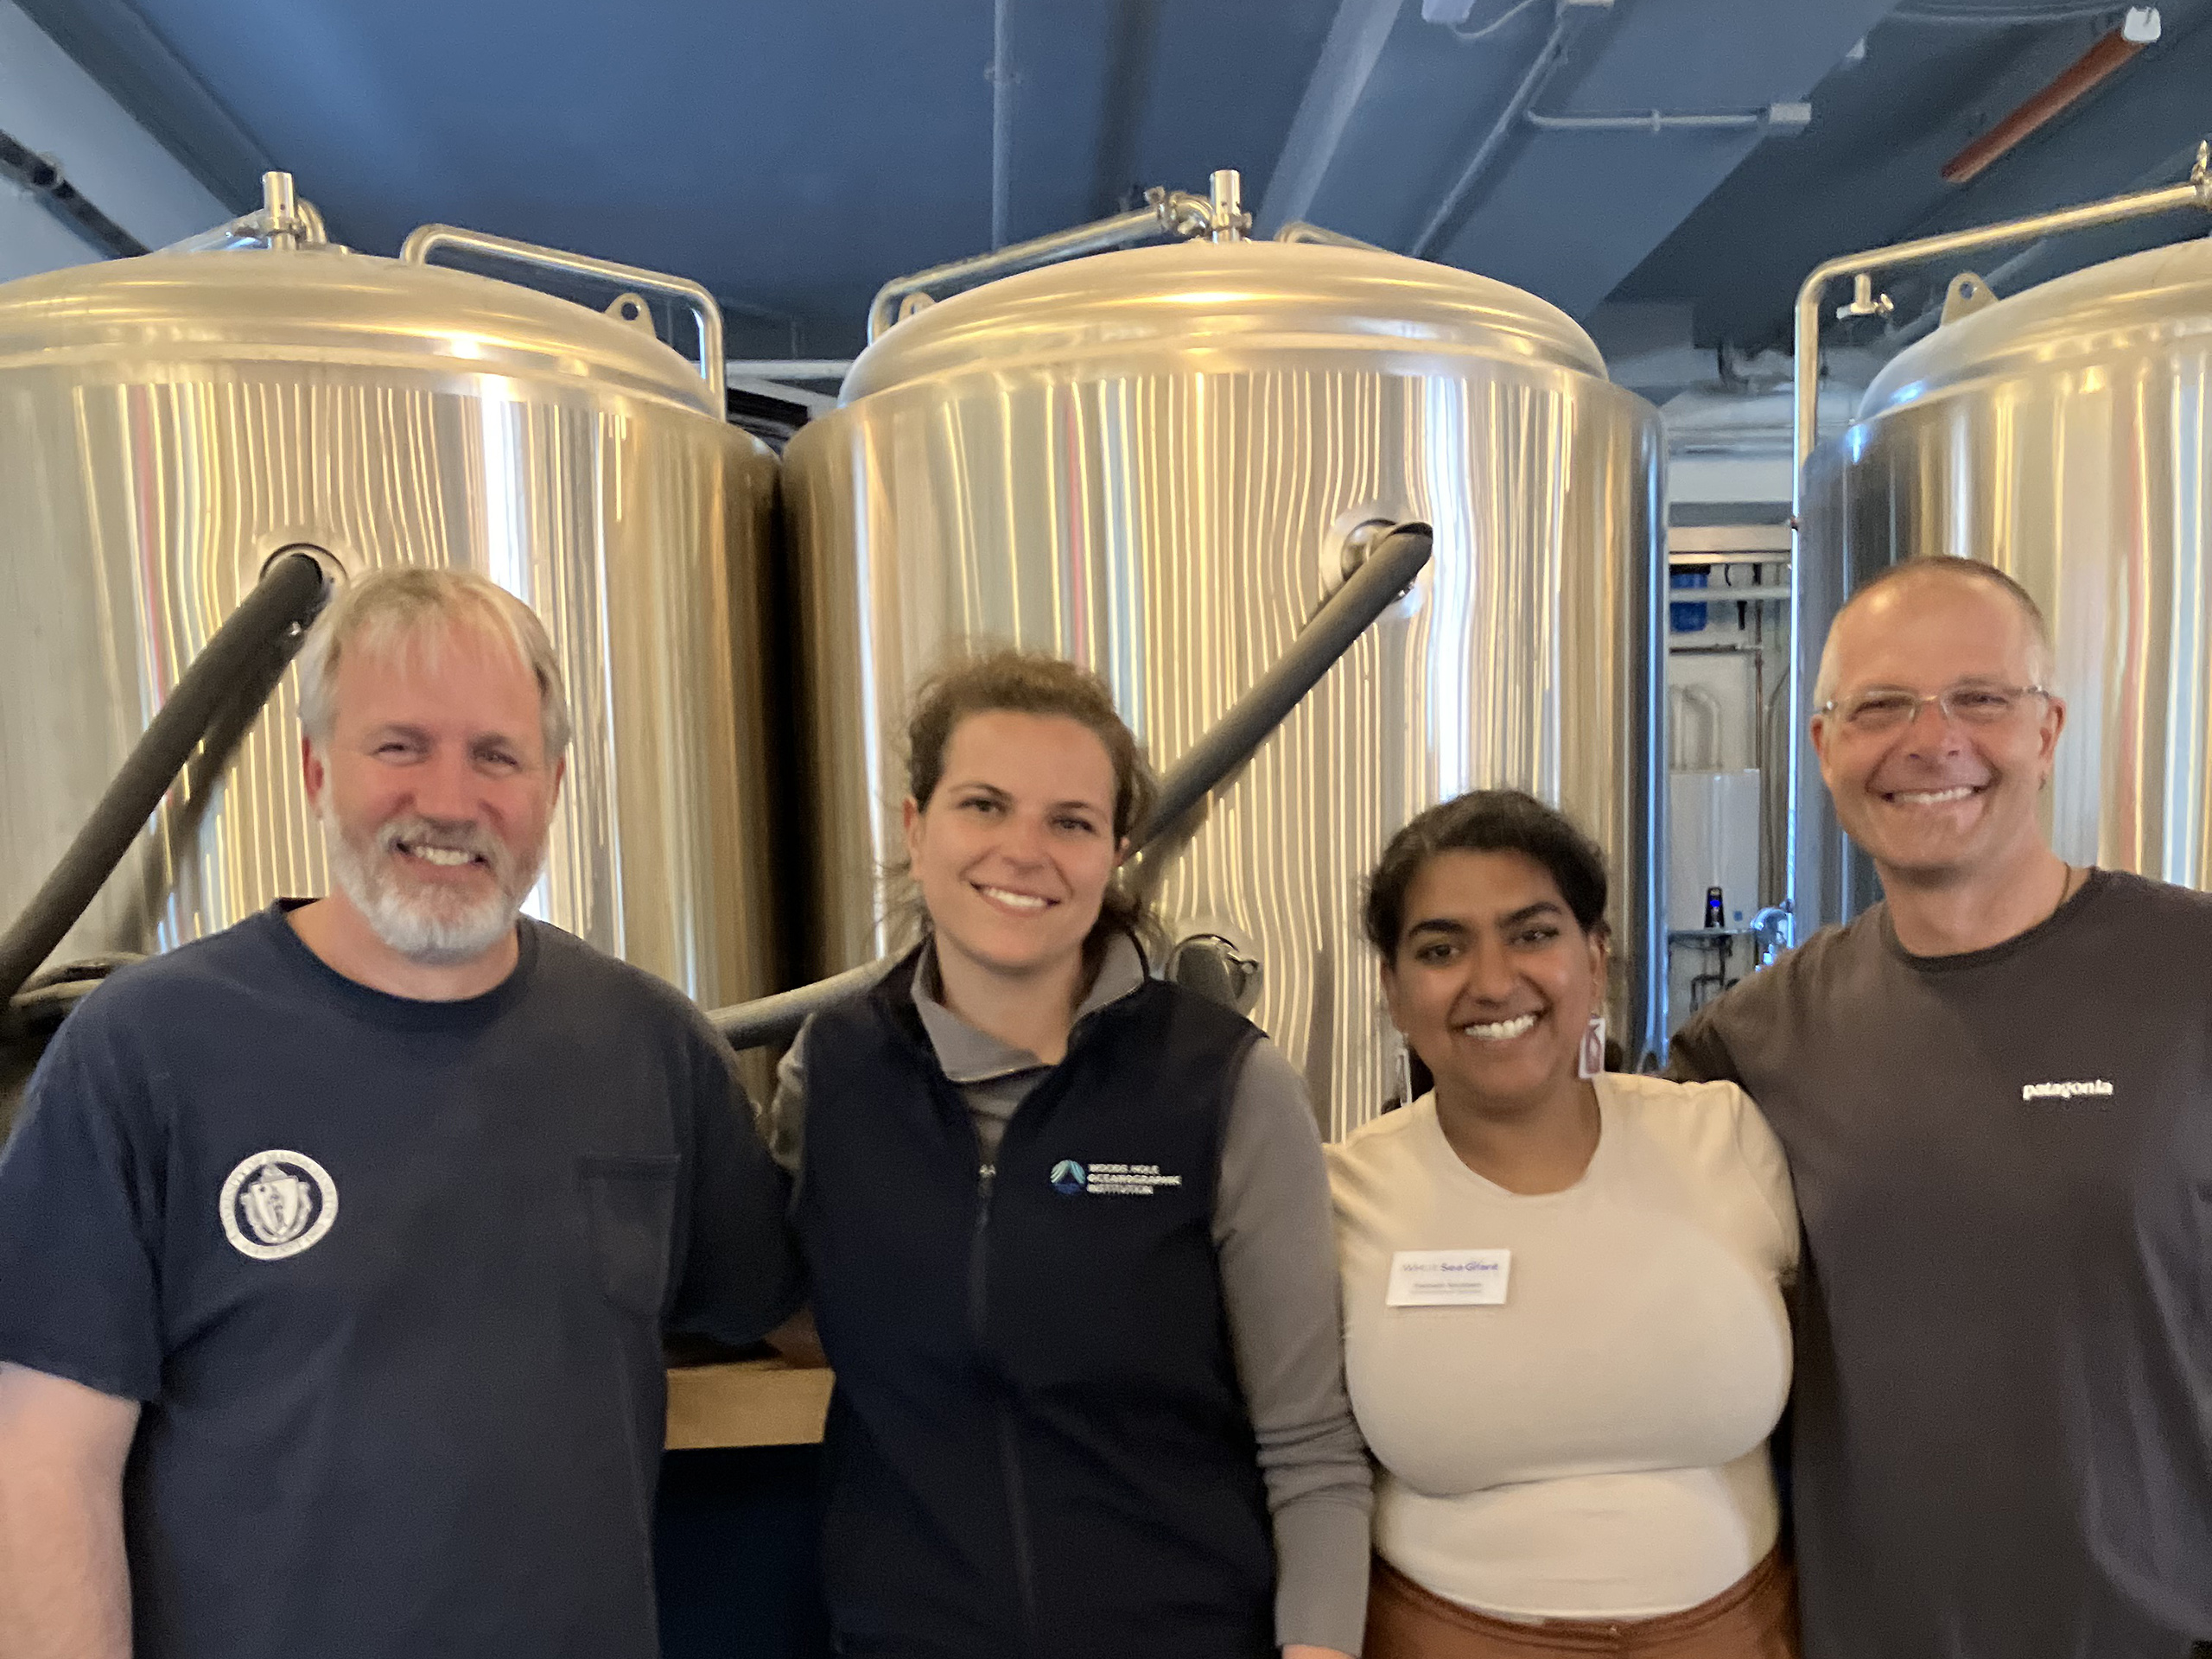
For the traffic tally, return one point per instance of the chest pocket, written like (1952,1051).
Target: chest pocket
(630,1215)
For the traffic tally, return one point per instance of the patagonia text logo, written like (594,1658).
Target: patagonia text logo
(2097,1087)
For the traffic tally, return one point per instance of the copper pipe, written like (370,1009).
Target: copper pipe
(2074,83)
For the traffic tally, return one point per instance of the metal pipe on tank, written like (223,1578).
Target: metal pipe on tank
(1862,267)
(1165,213)
(2000,278)
(282,604)
(1382,576)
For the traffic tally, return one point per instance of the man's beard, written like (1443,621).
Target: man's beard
(435,928)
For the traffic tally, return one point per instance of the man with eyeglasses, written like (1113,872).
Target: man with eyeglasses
(1995,1089)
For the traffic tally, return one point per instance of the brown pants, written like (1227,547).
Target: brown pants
(1756,1618)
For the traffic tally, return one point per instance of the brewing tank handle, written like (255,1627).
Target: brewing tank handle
(427,239)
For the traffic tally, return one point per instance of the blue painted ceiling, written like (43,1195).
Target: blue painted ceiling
(795,154)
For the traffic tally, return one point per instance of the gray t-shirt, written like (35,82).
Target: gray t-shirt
(1272,1235)
(2002,1443)
(390,1278)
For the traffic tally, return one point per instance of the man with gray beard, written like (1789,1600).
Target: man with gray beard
(336,1251)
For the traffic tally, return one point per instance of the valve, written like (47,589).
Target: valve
(1864,301)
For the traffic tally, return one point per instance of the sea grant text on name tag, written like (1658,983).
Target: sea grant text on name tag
(1448,1278)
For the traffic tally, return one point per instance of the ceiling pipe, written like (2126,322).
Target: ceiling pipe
(2073,83)
(20,164)
(1459,31)
(1001,122)
(1779,117)
(1566,21)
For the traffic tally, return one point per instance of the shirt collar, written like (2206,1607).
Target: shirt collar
(967,1055)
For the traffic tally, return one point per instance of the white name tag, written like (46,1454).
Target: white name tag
(1448,1278)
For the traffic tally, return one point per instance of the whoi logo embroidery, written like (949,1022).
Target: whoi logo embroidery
(1110,1180)
(2095,1088)
(277,1204)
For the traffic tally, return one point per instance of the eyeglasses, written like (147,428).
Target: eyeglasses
(1889,709)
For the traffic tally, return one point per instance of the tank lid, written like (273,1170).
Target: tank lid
(2145,301)
(329,305)
(1196,296)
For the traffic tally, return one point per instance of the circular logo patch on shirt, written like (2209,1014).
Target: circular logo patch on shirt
(277,1204)
(1068,1178)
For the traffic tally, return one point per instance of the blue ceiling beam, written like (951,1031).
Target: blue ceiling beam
(1572,213)
(135,66)
(1568,214)
(1357,39)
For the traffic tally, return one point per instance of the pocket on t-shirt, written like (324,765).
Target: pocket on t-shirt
(630,1208)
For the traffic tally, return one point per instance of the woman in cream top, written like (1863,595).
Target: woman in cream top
(1565,1341)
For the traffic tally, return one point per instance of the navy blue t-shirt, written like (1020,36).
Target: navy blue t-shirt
(391,1278)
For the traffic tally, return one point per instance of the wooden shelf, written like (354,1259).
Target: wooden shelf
(747,1403)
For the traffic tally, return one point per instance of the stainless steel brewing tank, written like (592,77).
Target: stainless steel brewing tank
(2065,436)
(167,422)
(1149,461)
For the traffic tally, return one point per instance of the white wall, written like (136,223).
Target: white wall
(53,107)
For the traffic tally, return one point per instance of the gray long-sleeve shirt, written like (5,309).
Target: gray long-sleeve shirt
(1273,1234)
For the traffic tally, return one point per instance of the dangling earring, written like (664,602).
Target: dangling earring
(1405,1070)
(1591,1059)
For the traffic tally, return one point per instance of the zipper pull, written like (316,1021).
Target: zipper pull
(985,1174)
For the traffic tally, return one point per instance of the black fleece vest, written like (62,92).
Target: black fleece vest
(1038,1447)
